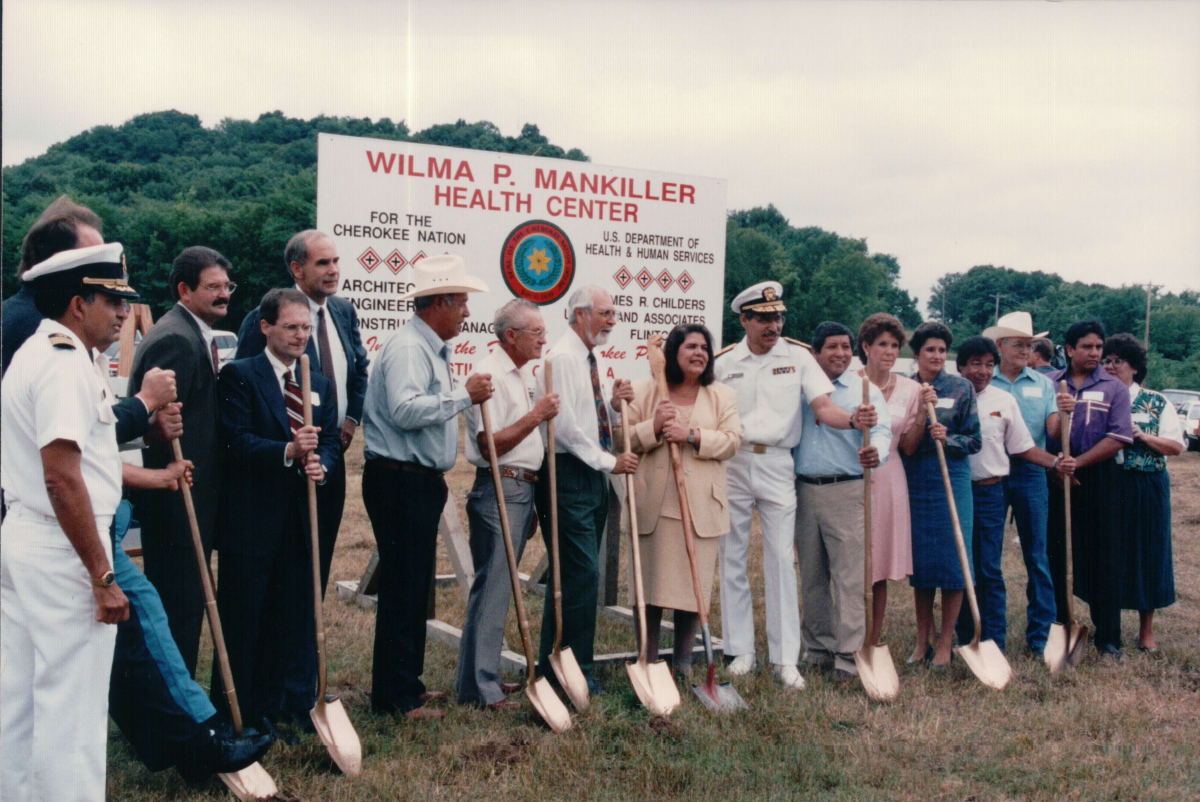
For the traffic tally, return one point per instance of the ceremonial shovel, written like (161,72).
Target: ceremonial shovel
(566,667)
(651,681)
(723,697)
(874,662)
(252,782)
(984,659)
(1065,647)
(329,716)
(545,700)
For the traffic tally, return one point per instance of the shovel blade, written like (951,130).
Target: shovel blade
(547,704)
(1075,644)
(986,662)
(337,733)
(1055,653)
(570,677)
(722,698)
(877,673)
(252,782)
(654,686)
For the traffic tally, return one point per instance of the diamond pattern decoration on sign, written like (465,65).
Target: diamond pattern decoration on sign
(643,278)
(623,277)
(395,260)
(665,280)
(369,259)
(413,261)
(685,281)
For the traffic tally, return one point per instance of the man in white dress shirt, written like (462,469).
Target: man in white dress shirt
(583,432)
(520,450)
(772,376)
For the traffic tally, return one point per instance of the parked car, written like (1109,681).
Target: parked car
(1179,397)
(1189,415)
(113,352)
(226,342)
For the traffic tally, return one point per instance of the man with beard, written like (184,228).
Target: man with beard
(182,341)
(587,410)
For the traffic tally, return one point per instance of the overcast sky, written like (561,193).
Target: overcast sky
(1057,136)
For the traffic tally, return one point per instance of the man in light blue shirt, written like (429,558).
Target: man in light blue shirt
(829,520)
(1025,487)
(410,424)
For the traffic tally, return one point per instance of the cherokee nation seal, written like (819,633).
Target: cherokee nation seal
(538,262)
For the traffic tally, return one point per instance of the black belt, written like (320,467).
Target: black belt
(407,467)
(520,474)
(828,480)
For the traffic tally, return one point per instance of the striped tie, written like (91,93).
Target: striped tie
(295,406)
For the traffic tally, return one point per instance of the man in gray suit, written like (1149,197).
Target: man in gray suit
(182,340)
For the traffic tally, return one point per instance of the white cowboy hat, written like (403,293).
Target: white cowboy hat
(442,275)
(1014,324)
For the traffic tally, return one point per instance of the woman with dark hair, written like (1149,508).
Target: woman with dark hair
(1149,575)
(879,340)
(701,417)
(935,554)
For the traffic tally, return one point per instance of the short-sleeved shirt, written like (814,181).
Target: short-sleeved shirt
(410,413)
(55,392)
(512,399)
(1102,409)
(826,451)
(1155,415)
(1004,433)
(1036,397)
(770,389)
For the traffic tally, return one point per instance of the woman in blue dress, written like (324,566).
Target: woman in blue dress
(935,554)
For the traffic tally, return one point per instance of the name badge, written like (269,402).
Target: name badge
(1031,392)
(1141,417)
(1093,395)
(316,399)
(945,403)
(788,369)
(734,376)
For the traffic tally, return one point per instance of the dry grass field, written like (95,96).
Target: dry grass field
(1113,731)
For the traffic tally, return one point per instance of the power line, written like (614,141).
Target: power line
(1150,288)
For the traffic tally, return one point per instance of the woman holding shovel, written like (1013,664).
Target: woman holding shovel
(701,417)
(935,555)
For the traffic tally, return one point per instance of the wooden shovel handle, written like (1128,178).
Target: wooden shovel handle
(868,568)
(635,548)
(210,600)
(314,536)
(552,469)
(1066,444)
(959,541)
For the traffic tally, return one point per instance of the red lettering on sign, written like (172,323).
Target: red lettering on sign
(612,353)
(500,171)
(464,348)
(376,160)
(641,352)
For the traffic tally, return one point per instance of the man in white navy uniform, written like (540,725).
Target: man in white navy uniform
(61,474)
(772,375)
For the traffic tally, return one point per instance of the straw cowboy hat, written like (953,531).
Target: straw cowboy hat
(1014,324)
(442,275)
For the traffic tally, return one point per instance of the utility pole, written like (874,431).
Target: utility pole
(998,297)
(1150,288)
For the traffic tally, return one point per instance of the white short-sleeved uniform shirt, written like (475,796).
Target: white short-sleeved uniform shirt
(55,392)
(770,389)
(514,390)
(1004,433)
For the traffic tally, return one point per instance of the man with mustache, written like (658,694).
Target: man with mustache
(182,340)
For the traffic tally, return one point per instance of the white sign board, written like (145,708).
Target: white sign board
(530,227)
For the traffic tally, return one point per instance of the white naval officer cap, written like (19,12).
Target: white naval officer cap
(99,267)
(762,297)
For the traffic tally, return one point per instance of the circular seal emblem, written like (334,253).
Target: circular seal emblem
(538,262)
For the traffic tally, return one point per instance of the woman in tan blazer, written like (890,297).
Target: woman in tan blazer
(701,416)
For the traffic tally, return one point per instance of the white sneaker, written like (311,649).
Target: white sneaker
(742,665)
(790,677)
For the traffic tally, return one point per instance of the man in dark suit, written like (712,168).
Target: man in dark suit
(265,586)
(182,341)
(336,352)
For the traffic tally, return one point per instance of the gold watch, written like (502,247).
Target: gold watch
(104,580)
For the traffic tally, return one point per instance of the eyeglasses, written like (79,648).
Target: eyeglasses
(1020,346)
(1113,362)
(537,333)
(607,314)
(296,328)
(216,289)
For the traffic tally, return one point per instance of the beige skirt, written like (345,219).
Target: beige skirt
(666,573)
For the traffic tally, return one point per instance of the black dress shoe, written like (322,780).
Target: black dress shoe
(230,754)
(267,726)
(1109,650)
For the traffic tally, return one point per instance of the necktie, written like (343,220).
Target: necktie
(295,405)
(601,407)
(324,352)
(215,358)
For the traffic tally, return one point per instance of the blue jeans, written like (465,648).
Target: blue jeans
(988,549)
(1029,496)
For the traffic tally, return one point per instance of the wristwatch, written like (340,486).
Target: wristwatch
(691,437)
(104,580)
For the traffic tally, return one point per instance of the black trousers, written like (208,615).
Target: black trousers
(172,571)
(404,509)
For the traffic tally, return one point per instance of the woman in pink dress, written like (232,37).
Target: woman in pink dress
(879,341)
